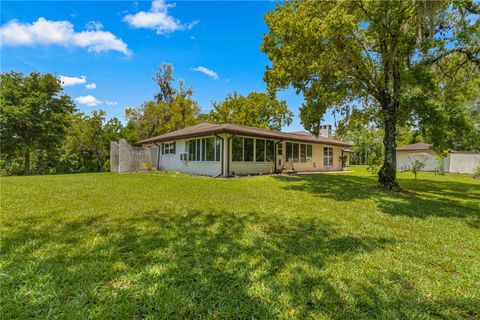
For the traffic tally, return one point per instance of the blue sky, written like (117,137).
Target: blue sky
(118,45)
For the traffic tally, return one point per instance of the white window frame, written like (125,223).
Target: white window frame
(202,152)
(328,155)
(254,150)
(169,148)
(307,159)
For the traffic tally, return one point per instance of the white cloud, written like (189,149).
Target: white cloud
(94,25)
(157,18)
(47,32)
(208,72)
(72,81)
(91,86)
(111,103)
(89,100)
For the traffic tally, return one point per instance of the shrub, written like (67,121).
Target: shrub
(476,175)
(417,163)
(148,166)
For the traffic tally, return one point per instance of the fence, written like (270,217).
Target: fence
(125,158)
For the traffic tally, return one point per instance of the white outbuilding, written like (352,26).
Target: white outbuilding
(454,162)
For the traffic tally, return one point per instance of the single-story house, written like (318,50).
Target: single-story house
(455,161)
(230,149)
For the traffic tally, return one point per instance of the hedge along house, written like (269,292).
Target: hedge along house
(229,149)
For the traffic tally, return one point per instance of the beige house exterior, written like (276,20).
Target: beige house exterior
(228,149)
(454,162)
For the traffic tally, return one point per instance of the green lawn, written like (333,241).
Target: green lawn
(154,246)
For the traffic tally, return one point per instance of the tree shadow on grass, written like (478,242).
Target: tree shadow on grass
(177,265)
(428,198)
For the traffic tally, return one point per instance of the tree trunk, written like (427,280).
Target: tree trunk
(27,162)
(387,176)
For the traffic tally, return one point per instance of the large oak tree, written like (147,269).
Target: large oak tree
(375,54)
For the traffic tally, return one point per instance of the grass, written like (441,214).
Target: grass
(331,246)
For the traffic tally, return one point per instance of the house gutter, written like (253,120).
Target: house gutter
(275,155)
(221,161)
(158,155)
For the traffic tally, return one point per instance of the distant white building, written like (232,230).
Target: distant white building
(455,161)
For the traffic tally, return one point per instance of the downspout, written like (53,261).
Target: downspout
(275,152)
(158,155)
(221,152)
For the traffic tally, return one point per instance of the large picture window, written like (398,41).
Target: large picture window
(289,154)
(210,149)
(237,149)
(217,149)
(303,153)
(269,150)
(295,152)
(259,150)
(309,153)
(298,152)
(204,149)
(252,150)
(248,149)
(327,157)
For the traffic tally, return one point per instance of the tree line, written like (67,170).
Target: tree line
(41,131)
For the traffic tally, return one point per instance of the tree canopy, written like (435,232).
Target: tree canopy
(378,56)
(172,109)
(34,115)
(255,110)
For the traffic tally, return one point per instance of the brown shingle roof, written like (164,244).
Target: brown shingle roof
(415,147)
(205,129)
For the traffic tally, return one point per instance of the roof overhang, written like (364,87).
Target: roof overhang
(274,135)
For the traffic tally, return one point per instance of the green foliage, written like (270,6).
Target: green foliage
(476,175)
(452,121)
(87,146)
(34,115)
(367,145)
(162,246)
(417,163)
(255,110)
(173,109)
(374,56)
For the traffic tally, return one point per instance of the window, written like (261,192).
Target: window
(327,157)
(192,150)
(169,148)
(252,150)
(309,153)
(297,152)
(259,150)
(288,147)
(237,149)
(269,150)
(210,149)
(204,149)
(280,149)
(217,149)
(247,149)
(303,153)
(198,141)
